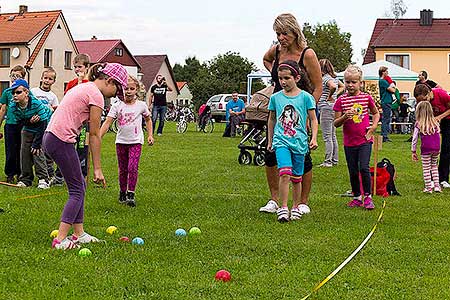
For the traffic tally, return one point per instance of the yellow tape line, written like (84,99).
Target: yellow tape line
(328,278)
(38,196)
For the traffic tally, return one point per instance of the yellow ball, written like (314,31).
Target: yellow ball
(111,229)
(54,233)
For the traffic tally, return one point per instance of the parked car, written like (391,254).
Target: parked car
(217,103)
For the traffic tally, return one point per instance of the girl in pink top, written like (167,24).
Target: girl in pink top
(129,139)
(440,102)
(84,103)
(352,110)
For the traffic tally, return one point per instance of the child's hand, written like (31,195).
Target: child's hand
(35,151)
(313,144)
(99,178)
(350,113)
(414,156)
(370,132)
(150,140)
(269,147)
(35,119)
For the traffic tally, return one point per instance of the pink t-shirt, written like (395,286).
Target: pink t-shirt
(73,112)
(355,129)
(129,119)
(440,102)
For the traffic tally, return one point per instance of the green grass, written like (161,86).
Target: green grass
(194,180)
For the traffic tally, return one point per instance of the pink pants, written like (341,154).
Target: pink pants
(128,160)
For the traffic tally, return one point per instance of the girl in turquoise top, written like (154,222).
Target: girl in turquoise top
(287,135)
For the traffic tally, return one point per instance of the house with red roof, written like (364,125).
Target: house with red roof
(153,65)
(36,40)
(113,51)
(415,44)
(185,96)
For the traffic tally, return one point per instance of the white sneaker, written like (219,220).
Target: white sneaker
(283,215)
(65,244)
(85,238)
(325,165)
(43,184)
(271,207)
(21,184)
(304,209)
(445,184)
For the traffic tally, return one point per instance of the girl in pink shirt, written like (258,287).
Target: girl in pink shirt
(352,110)
(84,103)
(129,138)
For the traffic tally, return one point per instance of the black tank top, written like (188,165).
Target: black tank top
(304,83)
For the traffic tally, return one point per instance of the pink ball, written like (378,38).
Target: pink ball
(223,275)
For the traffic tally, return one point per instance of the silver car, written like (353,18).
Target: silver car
(217,103)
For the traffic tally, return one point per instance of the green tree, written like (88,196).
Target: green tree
(328,41)
(223,74)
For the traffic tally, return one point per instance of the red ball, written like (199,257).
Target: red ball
(223,275)
(124,239)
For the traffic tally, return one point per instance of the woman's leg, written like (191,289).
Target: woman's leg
(326,123)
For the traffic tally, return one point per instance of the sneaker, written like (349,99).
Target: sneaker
(130,199)
(326,165)
(65,244)
(387,140)
(10,179)
(304,209)
(356,202)
(271,207)
(21,184)
(159,134)
(43,184)
(437,189)
(428,190)
(56,182)
(283,215)
(295,214)
(122,197)
(85,238)
(368,202)
(445,184)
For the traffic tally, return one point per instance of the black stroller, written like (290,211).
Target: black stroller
(254,138)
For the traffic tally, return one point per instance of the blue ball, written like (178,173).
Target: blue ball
(180,232)
(137,241)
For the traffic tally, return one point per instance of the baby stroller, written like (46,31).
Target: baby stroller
(254,138)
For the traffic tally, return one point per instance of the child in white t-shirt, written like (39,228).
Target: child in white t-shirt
(44,91)
(129,139)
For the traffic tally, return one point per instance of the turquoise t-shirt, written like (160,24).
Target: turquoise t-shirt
(385,96)
(7,98)
(291,114)
(237,106)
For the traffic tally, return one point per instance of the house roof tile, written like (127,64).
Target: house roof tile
(407,33)
(97,49)
(18,28)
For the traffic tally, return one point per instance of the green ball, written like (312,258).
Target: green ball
(194,231)
(84,252)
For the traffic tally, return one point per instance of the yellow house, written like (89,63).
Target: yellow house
(415,44)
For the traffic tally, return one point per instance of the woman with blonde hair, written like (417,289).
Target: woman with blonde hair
(292,45)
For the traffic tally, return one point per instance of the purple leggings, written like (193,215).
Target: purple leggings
(128,160)
(66,158)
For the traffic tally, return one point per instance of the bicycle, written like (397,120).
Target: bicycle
(208,126)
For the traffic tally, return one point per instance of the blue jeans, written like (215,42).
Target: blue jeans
(358,159)
(161,110)
(386,119)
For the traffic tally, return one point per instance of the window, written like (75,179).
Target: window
(4,57)
(65,85)
(68,60)
(3,86)
(118,51)
(47,58)
(401,60)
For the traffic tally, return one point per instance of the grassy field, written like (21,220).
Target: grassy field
(194,180)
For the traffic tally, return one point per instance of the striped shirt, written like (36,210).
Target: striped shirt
(34,107)
(355,128)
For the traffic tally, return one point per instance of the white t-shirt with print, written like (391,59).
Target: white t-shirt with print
(129,121)
(48,98)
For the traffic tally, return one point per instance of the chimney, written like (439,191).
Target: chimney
(426,17)
(23,9)
(94,38)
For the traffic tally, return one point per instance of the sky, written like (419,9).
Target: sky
(207,28)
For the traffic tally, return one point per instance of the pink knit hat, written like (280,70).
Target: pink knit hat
(118,72)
